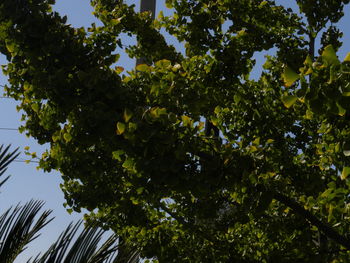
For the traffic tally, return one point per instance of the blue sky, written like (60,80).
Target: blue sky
(28,183)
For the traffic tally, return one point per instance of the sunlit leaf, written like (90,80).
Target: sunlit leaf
(127,115)
(35,107)
(164,63)
(289,76)
(346,148)
(329,55)
(119,69)
(347,58)
(117,154)
(289,100)
(143,68)
(345,173)
(341,110)
(120,128)
(67,137)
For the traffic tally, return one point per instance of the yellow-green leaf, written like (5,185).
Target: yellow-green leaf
(119,69)
(337,147)
(262,4)
(237,98)
(67,137)
(289,100)
(120,128)
(117,154)
(329,55)
(347,58)
(289,76)
(346,148)
(127,115)
(341,110)
(269,141)
(160,15)
(330,213)
(35,107)
(143,68)
(308,61)
(164,63)
(256,141)
(10,46)
(186,120)
(168,4)
(157,112)
(176,67)
(309,115)
(345,173)
(128,164)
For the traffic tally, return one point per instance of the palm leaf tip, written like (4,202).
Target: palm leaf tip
(19,226)
(6,157)
(82,248)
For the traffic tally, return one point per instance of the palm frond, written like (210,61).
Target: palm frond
(18,227)
(85,248)
(6,157)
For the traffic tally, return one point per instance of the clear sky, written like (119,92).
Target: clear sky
(28,183)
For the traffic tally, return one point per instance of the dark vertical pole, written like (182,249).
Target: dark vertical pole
(150,6)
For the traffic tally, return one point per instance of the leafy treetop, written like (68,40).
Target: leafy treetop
(134,149)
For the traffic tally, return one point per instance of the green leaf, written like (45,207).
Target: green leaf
(164,63)
(168,4)
(269,141)
(127,115)
(35,107)
(217,110)
(289,76)
(128,164)
(346,148)
(308,61)
(345,173)
(157,112)
(347,58)
(67,137)
(70,210)
(120,128)
(237,98)
(341,110)
(160,15)
(329,55)
(117,154)
(10,46)
(140,190)
(143,68)
(289,100)
(186,120)
(119,69)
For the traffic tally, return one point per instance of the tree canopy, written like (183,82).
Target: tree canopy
(188,157)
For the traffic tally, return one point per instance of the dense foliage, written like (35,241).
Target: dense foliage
(134,150)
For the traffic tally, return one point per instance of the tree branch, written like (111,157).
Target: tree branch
(324,228)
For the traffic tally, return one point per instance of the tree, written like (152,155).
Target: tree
(19,226)
(133,150)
